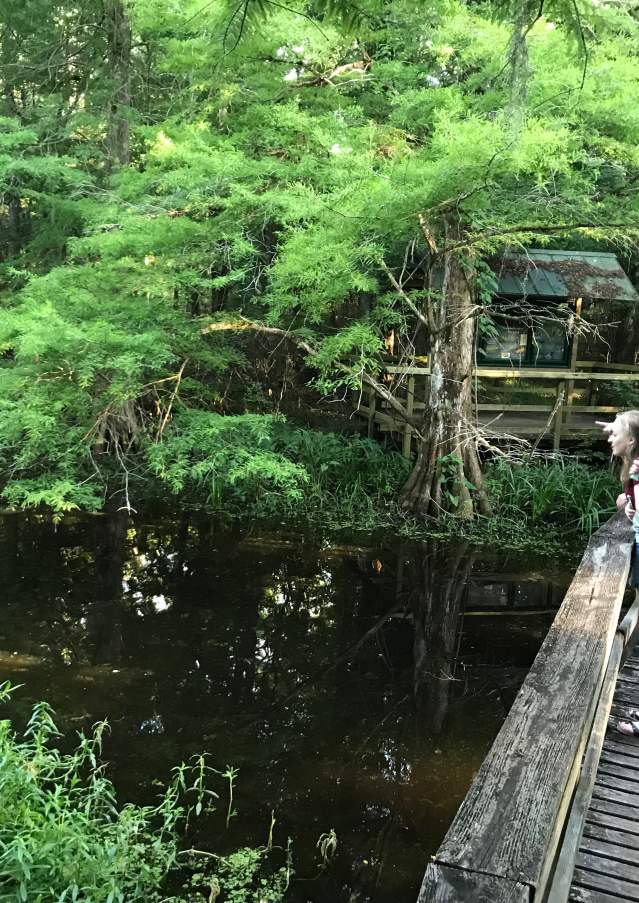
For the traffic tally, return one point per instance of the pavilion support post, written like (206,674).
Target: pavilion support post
(561,390)
(372,407)
(570,390)
(408,429)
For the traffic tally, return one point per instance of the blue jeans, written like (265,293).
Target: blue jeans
(634,563)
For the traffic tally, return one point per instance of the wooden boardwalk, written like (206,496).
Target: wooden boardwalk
(607,863)
(553,813)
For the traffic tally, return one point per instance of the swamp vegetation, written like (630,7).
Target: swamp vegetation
(212,218)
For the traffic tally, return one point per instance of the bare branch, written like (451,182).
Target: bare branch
(473,312)
(372,383)
(178,380)
(428,322)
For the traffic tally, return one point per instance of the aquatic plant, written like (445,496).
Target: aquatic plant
(554,491)
(64,837)
(291,471)
(242,877)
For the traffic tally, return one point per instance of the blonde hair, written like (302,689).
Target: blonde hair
(630,424)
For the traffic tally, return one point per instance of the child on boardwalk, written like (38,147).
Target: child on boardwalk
(623,438)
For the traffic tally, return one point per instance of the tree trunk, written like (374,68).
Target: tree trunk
(447,466)
(518,67)
(120,71)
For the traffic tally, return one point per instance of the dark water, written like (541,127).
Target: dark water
(355,689)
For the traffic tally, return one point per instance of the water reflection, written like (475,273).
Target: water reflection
(433,577)
(356,689)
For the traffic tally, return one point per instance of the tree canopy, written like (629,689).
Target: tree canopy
(171,174)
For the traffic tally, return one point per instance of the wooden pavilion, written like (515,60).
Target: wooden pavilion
(550,361)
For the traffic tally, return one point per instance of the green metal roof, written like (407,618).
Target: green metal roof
(560,275)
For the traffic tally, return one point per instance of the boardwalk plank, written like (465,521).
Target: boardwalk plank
(620,838)
(630,764)
(608,860)
(613,821)
(611,853)
(626,694)
(584,895)
(616,782)
(443,884)
(622,871)
(624,701)
(614,886)
(629,684)
(617,745)
(613,770)
(627,741)
(609,808)
(616,796)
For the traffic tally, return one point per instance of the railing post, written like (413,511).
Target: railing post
(372,407)
(408,429)
(561,388)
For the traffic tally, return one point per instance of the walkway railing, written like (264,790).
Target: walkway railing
(413,392)
(622,646)
(504,842)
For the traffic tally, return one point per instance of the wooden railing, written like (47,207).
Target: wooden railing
(560,410)
(503,844)
(623,643)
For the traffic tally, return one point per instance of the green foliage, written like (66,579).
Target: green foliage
(235,459)
(624,396)
(560,492)
(264,467)
(243,877)
(62,834)
(65,837)
(278,154)
(449,467)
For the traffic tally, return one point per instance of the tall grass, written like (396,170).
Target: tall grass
(555,492)
(355,481)
(350,479)
(65,839)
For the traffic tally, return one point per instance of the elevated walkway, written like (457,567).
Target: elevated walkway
(606,863)
(568,412)
(526,831)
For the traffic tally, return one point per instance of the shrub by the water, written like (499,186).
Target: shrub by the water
(265,467)
(64,837)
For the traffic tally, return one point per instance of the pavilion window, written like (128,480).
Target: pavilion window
(525,346)
(549,344)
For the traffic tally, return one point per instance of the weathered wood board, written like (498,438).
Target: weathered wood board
(585,895)
(594,881)
(607,862)
(515,808)
(452,885)
(612,835)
